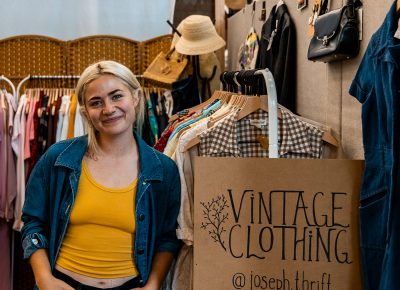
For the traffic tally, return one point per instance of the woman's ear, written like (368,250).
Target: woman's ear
(138,94)
(84,114)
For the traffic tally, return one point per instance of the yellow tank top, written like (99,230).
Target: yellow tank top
(101,232)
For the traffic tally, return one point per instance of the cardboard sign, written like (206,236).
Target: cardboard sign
(276,224)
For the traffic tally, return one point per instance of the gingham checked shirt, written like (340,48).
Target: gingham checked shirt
(232,138)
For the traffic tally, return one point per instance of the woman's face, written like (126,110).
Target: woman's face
(110,106)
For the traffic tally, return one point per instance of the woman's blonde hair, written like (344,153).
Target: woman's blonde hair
(119,71)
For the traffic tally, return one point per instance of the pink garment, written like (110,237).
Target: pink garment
(29,128)
(5,254)
(3,160)
(18,147)
(11,177)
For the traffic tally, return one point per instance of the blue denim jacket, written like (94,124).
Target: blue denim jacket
(377,87)
(51,192)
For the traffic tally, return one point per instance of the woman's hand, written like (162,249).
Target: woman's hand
(52,283)
(145,288)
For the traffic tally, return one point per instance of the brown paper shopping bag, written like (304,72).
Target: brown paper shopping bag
(276,224)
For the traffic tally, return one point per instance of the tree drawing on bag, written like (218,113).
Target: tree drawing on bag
(215,216)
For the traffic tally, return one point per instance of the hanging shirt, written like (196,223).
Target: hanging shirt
(182,278)
(79,128)
(229,137)
(18,140)
(63,119)
(72,112)
(3,158)
(29,128)
(9,165)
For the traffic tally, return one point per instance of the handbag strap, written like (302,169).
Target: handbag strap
(325,8)
(355,3)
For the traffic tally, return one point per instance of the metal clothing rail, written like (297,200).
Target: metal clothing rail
(272,112)
(29,77)
(272,101)
(3,78)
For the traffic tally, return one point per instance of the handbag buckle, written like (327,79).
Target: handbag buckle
(325,40)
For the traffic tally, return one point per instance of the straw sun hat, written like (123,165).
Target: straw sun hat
(198,36)
(235,4)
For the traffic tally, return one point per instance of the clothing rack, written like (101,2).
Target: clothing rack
(29,77)
(250,78)
(35,77)
(3,78)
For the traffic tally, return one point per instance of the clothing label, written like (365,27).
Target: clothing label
(264,141)
(397,34)
(259,123)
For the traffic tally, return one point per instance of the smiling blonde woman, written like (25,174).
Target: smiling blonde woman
(100,210)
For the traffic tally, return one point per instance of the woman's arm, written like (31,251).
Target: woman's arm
(41,269)
(161,263)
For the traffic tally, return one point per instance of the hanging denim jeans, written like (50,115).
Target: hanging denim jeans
(377,87)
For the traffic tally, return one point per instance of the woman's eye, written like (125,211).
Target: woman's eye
(95,103)
(116,97)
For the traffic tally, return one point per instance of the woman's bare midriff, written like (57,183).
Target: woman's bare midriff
(95,282)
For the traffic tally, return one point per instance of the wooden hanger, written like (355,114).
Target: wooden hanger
(246,104)
(221,95)
(251,105)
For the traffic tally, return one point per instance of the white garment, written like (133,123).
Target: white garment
(63,119)
(184,163)
(79,128)
(17,143)
(182,274)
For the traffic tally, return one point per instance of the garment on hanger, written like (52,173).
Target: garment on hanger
(228,136)
(232,138)
(248,51)
(18,140)
(35,130)
(8,185)
(185,94)
(377,87)
(277,52)
(8,190)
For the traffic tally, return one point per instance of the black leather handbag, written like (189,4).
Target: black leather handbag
(336,35)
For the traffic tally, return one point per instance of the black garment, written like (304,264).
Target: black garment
(158,103)
(43,125)
(147,135)
(133,283)
(185,94)
(279,33)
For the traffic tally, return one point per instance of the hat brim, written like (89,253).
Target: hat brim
(186,47)
(235,4)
